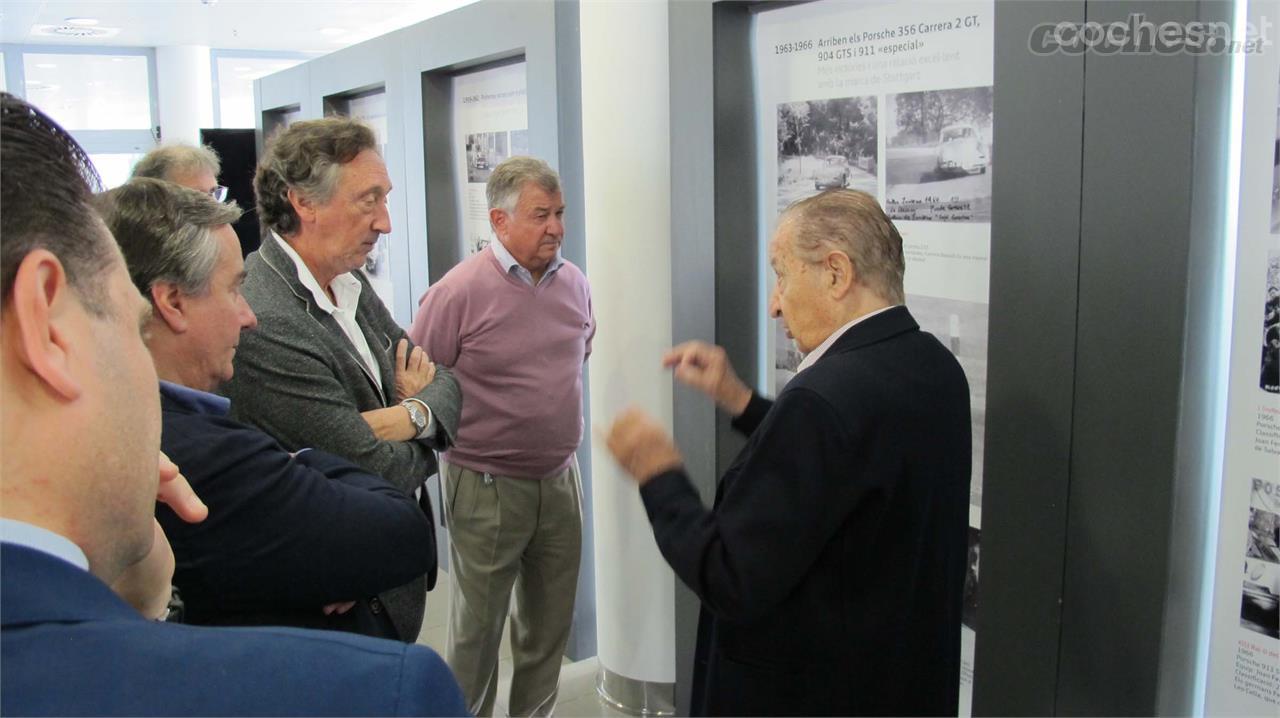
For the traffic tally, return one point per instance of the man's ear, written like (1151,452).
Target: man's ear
(305,208)
(45,312)
(842,273)
(498,220)
(169,304)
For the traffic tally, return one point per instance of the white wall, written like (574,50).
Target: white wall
(626,172)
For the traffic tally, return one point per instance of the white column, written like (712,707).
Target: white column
(627,177)
(184,85)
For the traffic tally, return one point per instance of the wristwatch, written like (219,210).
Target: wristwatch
(416,415)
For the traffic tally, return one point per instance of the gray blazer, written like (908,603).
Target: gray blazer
(298,378)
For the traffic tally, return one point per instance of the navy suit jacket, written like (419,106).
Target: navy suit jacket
(831,569)
(286,534)
(69,646)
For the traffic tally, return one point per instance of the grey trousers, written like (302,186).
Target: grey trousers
(503,533)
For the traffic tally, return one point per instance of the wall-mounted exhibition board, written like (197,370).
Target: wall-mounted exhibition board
(1244,655)
(895,101)
(490,124)
(1018,269)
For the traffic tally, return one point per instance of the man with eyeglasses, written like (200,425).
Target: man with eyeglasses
(186,165)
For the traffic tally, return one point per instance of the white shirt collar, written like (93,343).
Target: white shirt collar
(346,288)
(43,540)
(509,263)
(812,357)
(346,295)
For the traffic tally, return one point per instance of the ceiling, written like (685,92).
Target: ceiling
(312,26)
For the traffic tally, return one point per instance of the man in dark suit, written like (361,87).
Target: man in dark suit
(302,540)
(329,367)
(831,568)
(79,440)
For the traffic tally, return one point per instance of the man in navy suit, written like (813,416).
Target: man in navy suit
(831,567)
(305,539)
(79,440)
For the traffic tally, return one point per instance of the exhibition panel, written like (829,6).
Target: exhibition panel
(1244,653)
(1020,270)
(895,101)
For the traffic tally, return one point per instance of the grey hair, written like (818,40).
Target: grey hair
(509,177)
(171,161)
(852,222)
(165,232)
(307,157)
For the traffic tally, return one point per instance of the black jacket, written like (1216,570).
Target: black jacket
(831,569)
(286,534)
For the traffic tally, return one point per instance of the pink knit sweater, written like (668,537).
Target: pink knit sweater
(517,352)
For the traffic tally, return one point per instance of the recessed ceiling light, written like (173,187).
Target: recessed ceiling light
(77,31)
(81,21)
(332,31)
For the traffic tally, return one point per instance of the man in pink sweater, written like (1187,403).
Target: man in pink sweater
(514,322)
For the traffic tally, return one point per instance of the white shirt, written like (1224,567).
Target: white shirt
(31,536)
(509,263)
(346,295)
(812,357)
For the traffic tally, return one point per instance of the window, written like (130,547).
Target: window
(90,91)
(104,96)
(114,167)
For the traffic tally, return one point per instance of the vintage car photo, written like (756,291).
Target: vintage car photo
(961,150)
(833,172)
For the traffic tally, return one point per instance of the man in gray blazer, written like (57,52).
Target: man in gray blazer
(328,367)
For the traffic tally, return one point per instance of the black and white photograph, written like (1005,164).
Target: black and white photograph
(1275,177)
(519,143)
(1269,377)
(1260,602)
(826,144)
(962,328)
(485,150)
(939,155)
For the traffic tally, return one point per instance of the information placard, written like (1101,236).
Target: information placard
(1244,649)
(490,124)
(894,100)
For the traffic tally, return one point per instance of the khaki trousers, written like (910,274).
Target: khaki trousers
(503,533)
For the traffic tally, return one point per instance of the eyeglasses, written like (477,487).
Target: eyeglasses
(219,193)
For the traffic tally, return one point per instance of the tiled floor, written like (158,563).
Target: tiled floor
(578,697)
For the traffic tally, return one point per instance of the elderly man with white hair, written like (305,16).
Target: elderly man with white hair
(831,567)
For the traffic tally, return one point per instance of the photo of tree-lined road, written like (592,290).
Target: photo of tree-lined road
(823,144)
